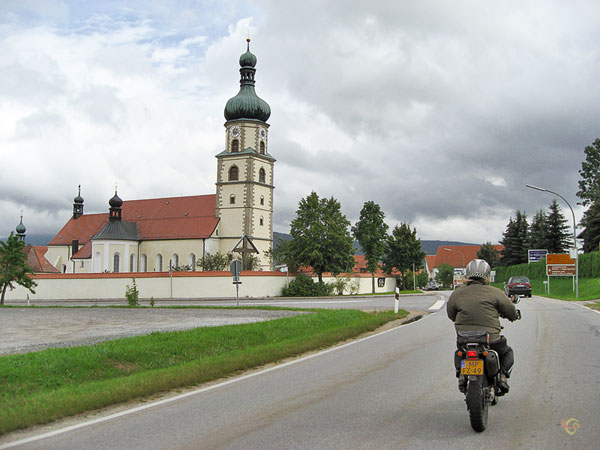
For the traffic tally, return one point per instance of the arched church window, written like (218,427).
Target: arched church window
(144,263)
(235,146)
(116,261)
(174,260)
(158,263)
(132,263)
(232,199)
(233,173)
(262,147)
(192,261)
(262,221)
(262,200)
(261,175)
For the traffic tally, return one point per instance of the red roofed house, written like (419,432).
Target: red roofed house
(148,235)
(458,256)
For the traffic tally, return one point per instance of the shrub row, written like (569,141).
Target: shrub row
(589,267)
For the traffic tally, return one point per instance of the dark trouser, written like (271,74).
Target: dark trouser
(506,355)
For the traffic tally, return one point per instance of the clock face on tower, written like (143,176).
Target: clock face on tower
(263,133)
(235,131)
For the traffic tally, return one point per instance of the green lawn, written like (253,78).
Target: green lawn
(48,385)
(562,288)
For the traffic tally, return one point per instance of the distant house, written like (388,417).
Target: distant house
(458,256)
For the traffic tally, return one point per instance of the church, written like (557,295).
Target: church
(153,235)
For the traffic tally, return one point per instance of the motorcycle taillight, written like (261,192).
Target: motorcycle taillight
(471,354)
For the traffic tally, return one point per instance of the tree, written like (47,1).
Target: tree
(402,250)
(320,237)
(558,238)
(488,253)
(370,231)
(13,266)
(589,193)
(591,231)
(589,185)
(445,274)
(515,241)
(538,231)
(217,261)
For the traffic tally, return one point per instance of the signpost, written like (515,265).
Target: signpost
(560,265)
(236,268)
(396,298)
(535,255)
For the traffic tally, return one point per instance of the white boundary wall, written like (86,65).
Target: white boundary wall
(182,285)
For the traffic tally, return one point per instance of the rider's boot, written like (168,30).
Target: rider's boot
(503,385)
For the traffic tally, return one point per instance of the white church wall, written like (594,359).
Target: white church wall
(182,285)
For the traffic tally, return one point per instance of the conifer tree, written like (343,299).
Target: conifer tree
(558,238)
(538,231)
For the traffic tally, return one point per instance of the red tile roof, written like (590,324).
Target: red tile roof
(454,257)
(191,217)
(37,261)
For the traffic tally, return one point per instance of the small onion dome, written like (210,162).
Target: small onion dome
(21,228)
(79,198)
(248,59)
(115,202)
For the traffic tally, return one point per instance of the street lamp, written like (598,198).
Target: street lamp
(460,253)
(574,234)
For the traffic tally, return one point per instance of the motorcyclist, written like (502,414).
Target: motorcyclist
(477,307)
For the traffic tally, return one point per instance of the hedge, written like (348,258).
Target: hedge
(589,267)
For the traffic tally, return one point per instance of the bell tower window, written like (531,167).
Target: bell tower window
(233,173)
(262,147)
(232,199)
(235,146)
(261,175)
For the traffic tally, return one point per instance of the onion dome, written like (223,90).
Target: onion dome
(115,202)
(246,104)
(21,228)
(79,199)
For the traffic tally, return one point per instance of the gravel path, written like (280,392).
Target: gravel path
(31,329)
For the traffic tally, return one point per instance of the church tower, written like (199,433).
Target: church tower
(245,169)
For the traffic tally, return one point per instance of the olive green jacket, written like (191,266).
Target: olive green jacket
(477,307)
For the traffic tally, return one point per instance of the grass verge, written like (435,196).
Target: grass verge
(40,387)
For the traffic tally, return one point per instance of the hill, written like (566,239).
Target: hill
(429,247)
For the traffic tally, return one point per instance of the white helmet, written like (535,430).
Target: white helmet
(478,268)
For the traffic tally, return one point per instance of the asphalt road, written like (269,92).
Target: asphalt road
(392,390)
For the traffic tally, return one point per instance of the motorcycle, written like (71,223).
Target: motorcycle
(479,368)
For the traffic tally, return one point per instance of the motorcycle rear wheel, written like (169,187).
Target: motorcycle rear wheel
(477,404)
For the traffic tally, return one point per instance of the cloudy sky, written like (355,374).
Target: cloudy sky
(439,111)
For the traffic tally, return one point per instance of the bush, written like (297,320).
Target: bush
(342,285)
(304,286)
(132,294)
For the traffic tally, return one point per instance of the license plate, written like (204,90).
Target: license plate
(471,367)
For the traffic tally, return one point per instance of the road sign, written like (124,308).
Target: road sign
(560,270)
(535,255)
(236,268)
(559,258)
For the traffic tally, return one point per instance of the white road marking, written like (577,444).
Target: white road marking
(191,393)
(437,305)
